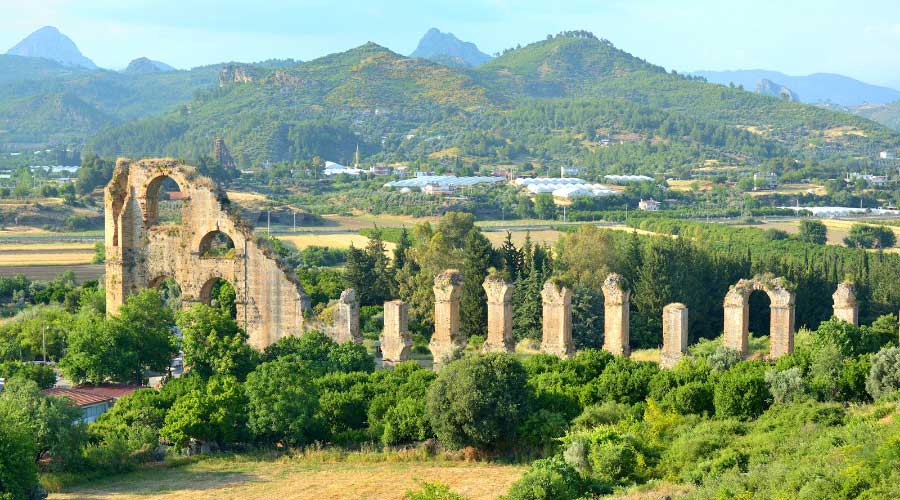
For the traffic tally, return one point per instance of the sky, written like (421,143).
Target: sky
(860,39)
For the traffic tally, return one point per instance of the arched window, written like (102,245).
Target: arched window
(216,245)
(170,291)
(220,294)
(165,201)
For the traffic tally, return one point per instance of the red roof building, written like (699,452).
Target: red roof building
(93,400)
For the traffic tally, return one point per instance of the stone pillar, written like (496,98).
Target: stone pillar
(616,316)
(781,329)
(675,334)
(737,320)
(557,320)
(845,307)
(499,315)
(346,318)
(446,338)
(396,341)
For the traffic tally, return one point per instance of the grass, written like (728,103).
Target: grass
(341,240)
(321,476)
(45,254)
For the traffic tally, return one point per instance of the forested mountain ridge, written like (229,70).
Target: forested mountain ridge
(552,101)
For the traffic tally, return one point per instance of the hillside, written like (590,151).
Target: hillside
(885,114)
(812,89)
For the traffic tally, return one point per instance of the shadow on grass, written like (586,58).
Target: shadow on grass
(151,483)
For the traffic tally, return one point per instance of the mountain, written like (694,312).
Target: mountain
(770,88)
(551,102)
(813,89)
(49,43)
(142,65)
(885,114)
(446,49)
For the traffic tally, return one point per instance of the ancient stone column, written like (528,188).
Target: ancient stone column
(616,316)
(845,307)
(396,341)
(557,320)
(737,318)
(499,315)
(675,334)
(446,338)
(346,318)
(781,329)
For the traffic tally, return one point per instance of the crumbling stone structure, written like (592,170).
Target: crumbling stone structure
(346,318)
(499,315)
(845,306)
(675,334)
(737,314)
(557,320)
(616,333)
(446,338)
(141,253)
(396,341)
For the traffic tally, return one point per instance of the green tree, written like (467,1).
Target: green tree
(478,401)
(360,275)
(214,344)
(282,401)
(884,376)
(18,468)
(544,206)
(866,236)
(213,412)
(478,256)
(813,231)
(742,391)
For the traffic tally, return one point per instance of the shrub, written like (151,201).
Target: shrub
(623,381)
(406,421)
(724,358)
(477,401)
(884,376)
(433,491)
(787,385)
(541,428)
(550,479)
(323,354)
(741,391)
(606,413)
(18,470)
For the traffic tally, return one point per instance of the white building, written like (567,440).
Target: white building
(332,168)
(887,155)
(649,205)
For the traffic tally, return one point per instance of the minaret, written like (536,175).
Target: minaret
(356,157)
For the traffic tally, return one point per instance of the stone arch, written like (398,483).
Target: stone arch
(168,285)
(216,245)
(269,298)
(781,324)
(152,193)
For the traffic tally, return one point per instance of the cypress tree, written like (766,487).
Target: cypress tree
(478,254)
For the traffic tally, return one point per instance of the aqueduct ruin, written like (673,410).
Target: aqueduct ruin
(737,314)
(141,252)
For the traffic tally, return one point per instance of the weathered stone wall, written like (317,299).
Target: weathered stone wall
(396,341)
(675,334)
(557,320)
(616,333)
(446,338)
(269,298)
(499,315)
(845,306)
(346,318)
(737,315)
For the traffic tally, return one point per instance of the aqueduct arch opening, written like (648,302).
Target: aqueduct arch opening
(781,324)
(141,248)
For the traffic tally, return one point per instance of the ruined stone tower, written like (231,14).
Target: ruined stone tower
(845,306)
(446,338)
(396,341)
(737,314)
(675,334)
(616,333)
(346,318)
(141,252)
(499,312)
(557,320)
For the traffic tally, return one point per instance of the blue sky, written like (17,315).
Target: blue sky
(860,38)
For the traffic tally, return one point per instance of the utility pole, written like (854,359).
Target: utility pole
(295,221)
(44,340)
(269,222)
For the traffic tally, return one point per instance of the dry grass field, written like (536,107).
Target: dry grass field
(544,236)
(299,479)
(837,229)
(55,254)
(340,240)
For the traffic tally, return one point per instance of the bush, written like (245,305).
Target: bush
(406,421)
(18,470)
(787,385)
(741,391)
(433,491)
(623,380)
(541,429)
(478,401)
(550,479)
(724,358)
(44,376)
(884,376)
(606,413)
(323,354)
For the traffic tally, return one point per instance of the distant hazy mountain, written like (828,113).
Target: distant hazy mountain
(768,87)
(142,66)
(49,43)
(815,88)
(446,49)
